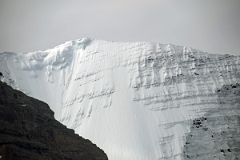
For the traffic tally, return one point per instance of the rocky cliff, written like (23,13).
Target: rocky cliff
(28,131)
(216,135)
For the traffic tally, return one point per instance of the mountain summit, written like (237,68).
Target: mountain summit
(136,100)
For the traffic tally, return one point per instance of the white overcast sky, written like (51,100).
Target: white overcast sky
(209,25)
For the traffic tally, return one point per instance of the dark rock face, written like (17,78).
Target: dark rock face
(216,135)
(28,131)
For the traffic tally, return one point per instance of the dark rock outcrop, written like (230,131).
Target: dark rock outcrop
(216,135)
(28,131)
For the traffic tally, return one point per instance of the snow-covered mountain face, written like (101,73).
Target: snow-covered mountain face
(136,101)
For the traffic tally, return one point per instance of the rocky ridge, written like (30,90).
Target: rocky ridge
(29,132)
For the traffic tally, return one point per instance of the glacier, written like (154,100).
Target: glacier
(135,100)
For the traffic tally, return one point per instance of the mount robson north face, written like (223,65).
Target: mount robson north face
(137,100)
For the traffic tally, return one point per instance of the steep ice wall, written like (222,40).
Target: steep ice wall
(134,100)
(42,74)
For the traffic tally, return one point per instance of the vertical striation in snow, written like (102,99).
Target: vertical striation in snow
(134,100)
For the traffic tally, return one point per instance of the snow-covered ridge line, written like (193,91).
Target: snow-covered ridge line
(135,100)
(61,51)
